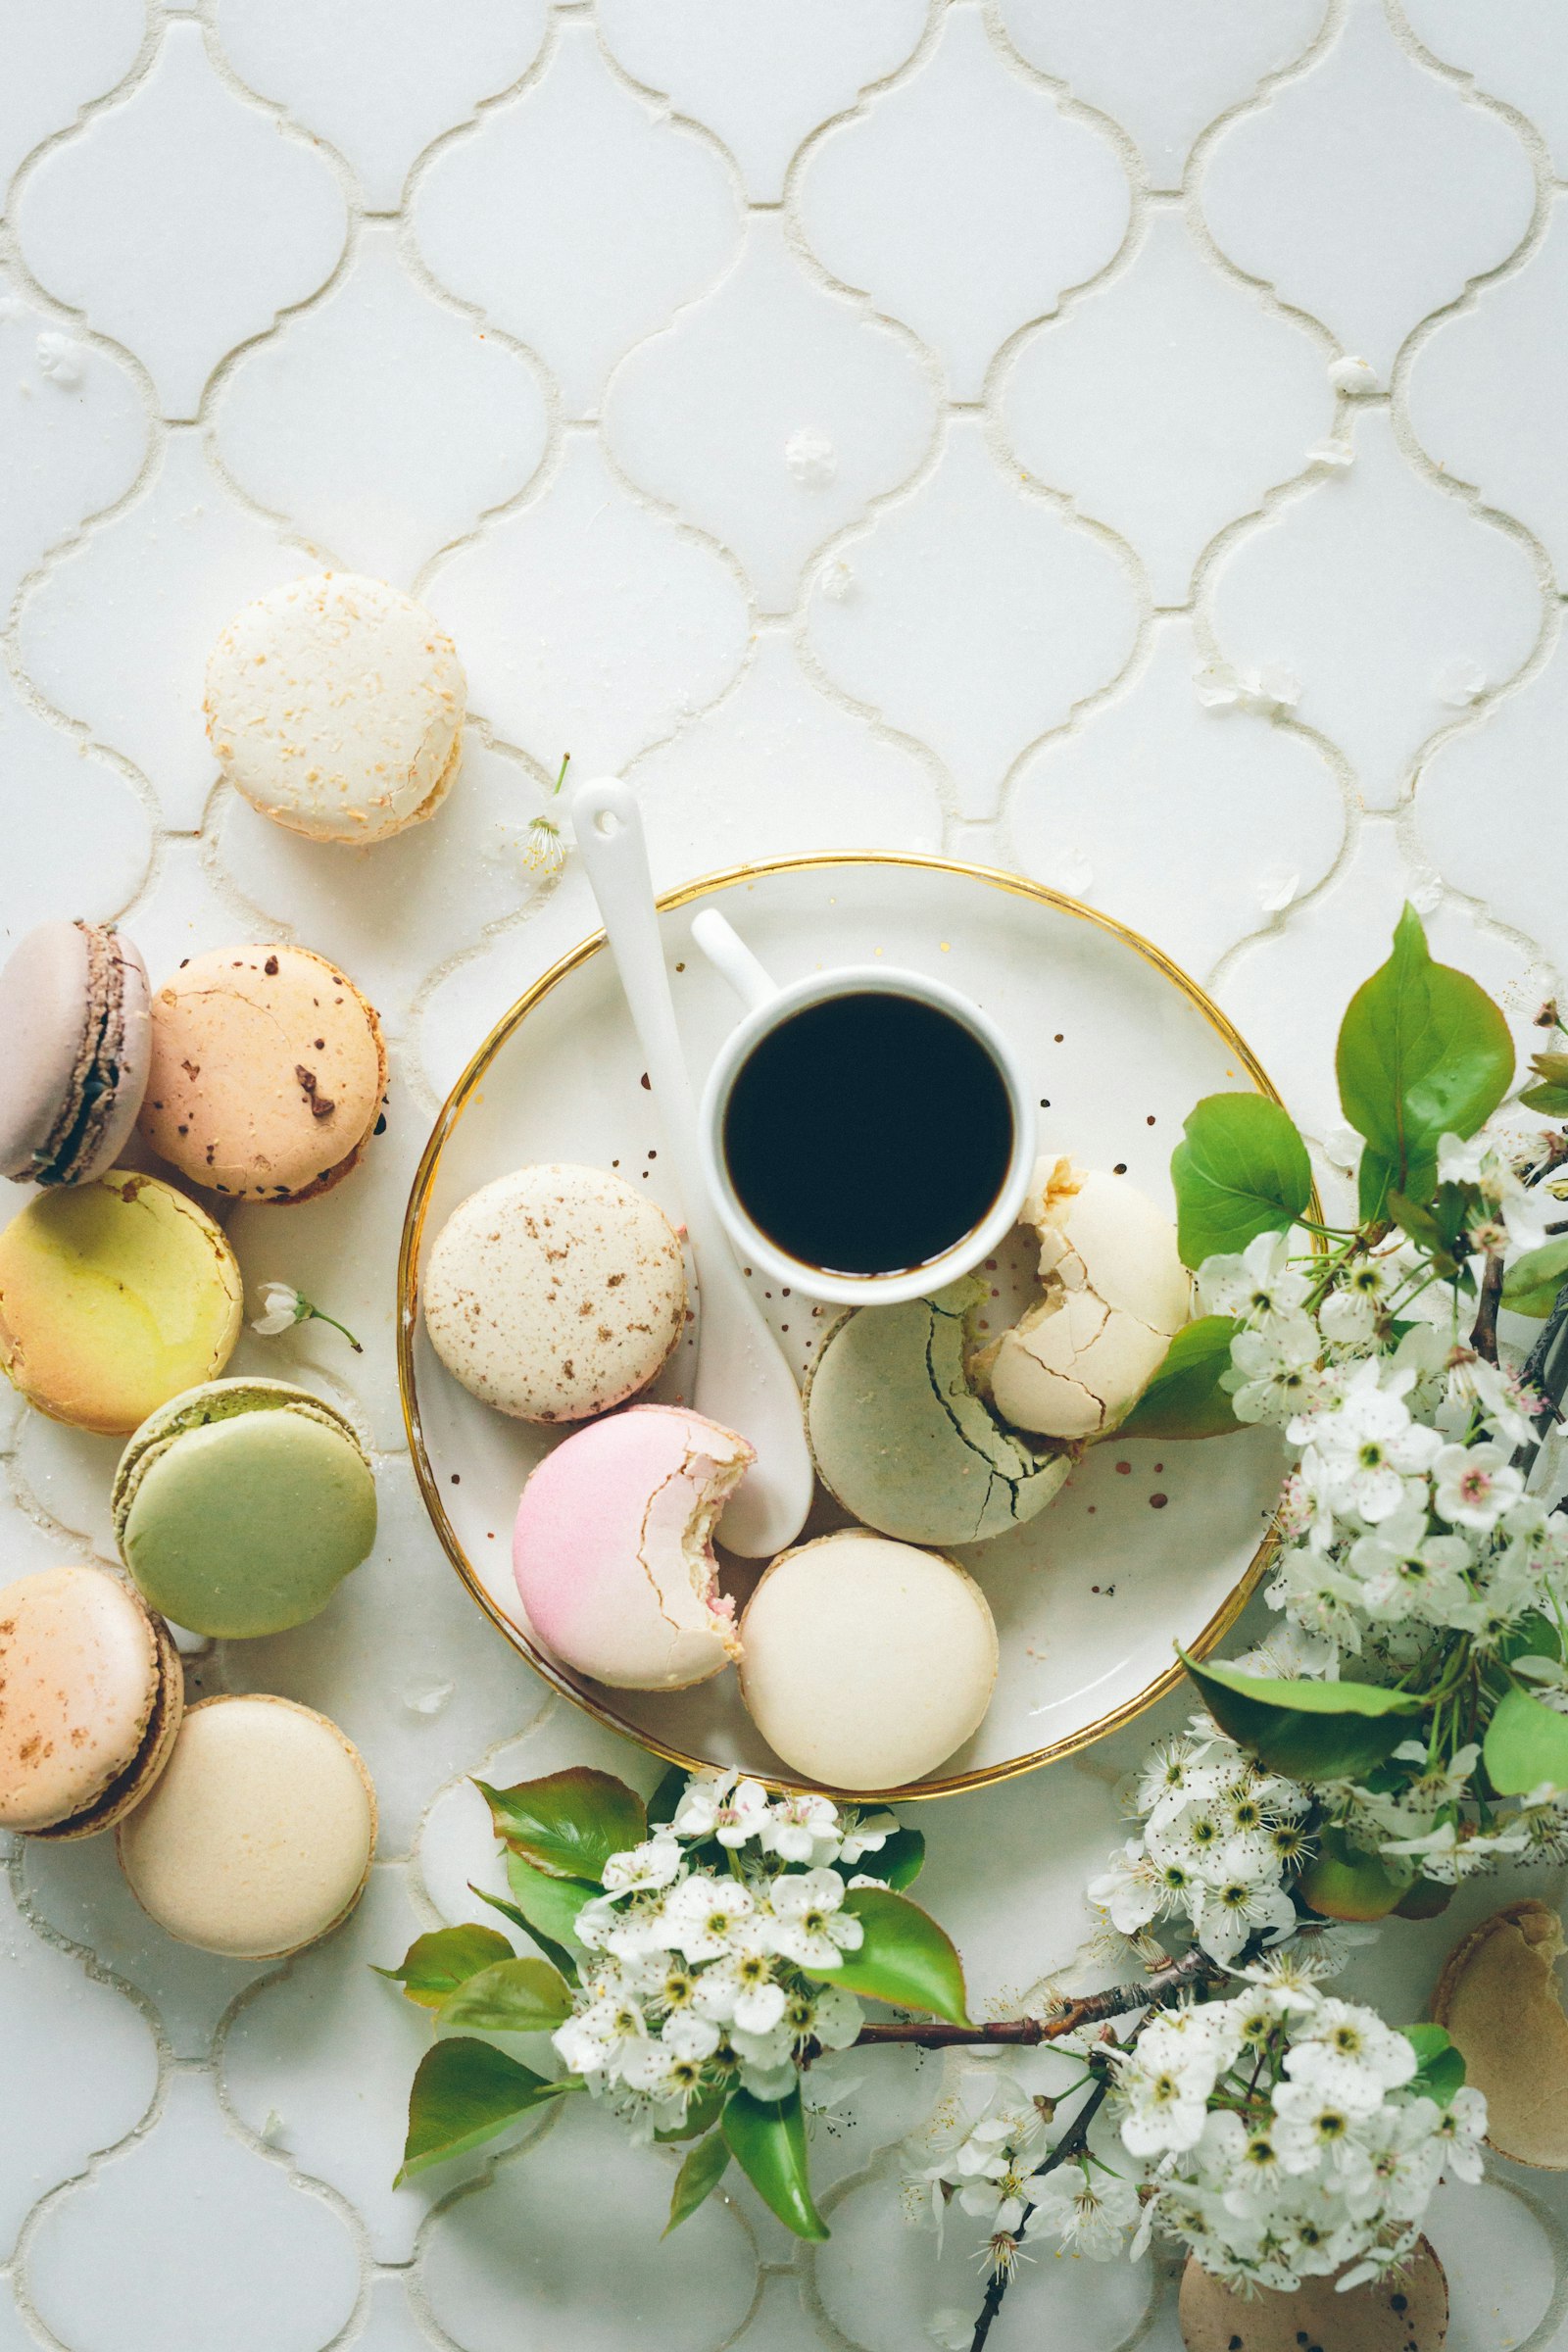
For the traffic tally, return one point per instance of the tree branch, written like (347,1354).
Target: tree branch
(1072,2143)
(931,2033)
(1483,1336)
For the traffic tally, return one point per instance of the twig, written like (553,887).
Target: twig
(1545,1370)
(930,2033)
(1483,1336)
(1072,2143)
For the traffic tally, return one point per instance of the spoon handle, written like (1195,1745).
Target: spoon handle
(742,1378)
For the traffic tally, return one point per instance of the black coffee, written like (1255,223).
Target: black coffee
(867,1134)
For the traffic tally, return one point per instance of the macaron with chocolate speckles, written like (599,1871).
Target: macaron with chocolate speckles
(115,1297)
(77,1045)
(92,1694)
(555,1292)
(259,1838)
(335,705)
(268,1073)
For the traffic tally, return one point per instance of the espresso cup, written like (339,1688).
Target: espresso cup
(865,1133)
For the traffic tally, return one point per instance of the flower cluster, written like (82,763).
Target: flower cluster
(1285,2134)
(1220,1840)
(988,2166)
(1411,1545)
(707,1954)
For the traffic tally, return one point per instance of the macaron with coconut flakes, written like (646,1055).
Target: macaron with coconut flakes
(268,1073)
(78,1046)
(91,1695)
(612,1549)
(555,1293)
(335,705)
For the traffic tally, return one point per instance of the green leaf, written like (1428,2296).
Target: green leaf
(436,1965)
(1551,1101)
(1525,1745)
(904,1957)
(1344,1882)
(1532,1283)
(569,1821)
(550,1905)
(898,1861)
(1241,1170)
(1440,2068)
(667,1795)
(700,2174)
(464,2093)
(1312,1731)
(514,1996)
(565,1960)
(1185,1400)
(1423,1051)
(1436,1229)
(768,2140)
(1553,1066)
(701,2114)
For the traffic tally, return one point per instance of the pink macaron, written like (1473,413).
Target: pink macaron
(612,1548)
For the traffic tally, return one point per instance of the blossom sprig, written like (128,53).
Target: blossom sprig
(282,1307)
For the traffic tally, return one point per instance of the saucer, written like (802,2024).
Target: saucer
(1148,1546)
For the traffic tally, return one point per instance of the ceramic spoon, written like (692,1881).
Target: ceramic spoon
(741,1379)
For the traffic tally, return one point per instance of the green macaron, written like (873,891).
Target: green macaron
(240,1506)
(901,1438)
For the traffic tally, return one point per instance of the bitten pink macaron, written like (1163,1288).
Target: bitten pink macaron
(612,1548)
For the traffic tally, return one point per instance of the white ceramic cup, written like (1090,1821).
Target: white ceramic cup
(766,1005)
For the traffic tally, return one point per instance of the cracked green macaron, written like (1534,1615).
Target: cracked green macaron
(239,1506)
(899,1437)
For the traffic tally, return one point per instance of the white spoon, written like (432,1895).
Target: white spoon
(741,1379)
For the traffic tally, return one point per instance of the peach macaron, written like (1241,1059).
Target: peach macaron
(91,1695)
(268,1073)
(612,1547)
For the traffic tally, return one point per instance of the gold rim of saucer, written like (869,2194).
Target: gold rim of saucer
(730,878)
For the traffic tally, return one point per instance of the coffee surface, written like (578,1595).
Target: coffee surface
(868,1134)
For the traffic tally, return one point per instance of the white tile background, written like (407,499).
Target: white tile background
(859,421)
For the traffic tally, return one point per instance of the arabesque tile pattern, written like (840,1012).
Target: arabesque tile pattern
(859,420)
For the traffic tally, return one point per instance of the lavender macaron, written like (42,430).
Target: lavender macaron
(73,1014)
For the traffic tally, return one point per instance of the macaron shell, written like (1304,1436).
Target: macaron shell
(268,1073)
(611,1539)
(121,1057)
(1407,2312)
(1500,1999)
(336,706)
(198,1407)
(123,1794)
(865,1663)
(81,1673)
(115,1297)
(901,1438)
(260,1836)
(555,1292)
(248,1526)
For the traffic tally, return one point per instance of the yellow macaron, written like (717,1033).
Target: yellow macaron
(115,1297)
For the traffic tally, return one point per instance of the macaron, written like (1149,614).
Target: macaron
(1405,2312)
(240,1506)
(73,1017)
(115,1297)
(1499,2000)
(864,1663)
(612,1548)
(91,1695)
(555,1292)
(899,1437)
(1113,1295)
(268,1073)
(335,705)
(259,1838)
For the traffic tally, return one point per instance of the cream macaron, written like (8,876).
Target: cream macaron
(555,1292)
(92,1694)
(864,1663)
(260,1836)
(335,705)
(612,1548)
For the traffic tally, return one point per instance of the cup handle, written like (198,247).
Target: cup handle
(729,955)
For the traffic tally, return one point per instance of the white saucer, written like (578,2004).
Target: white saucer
(1146,1546)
